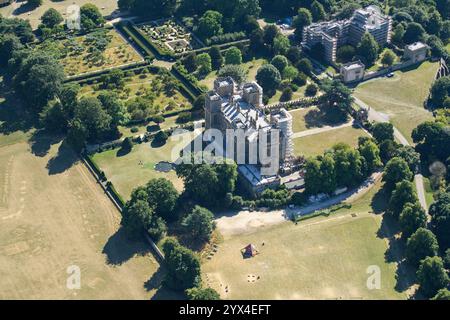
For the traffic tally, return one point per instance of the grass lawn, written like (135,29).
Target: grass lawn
(34,14)
(378,65)
(320,258)
(428,191)
(251,67)
(299,118)
(118,52)
(316,144)
(125,172)
(401,97)
(309,118)
(299,94)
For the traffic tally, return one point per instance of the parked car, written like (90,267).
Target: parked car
(390,75)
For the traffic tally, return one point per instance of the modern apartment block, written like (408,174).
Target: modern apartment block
(230,106)
(334,34)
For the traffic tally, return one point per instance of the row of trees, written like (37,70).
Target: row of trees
(422,245)
(202,64)
(216,15)
(341,166)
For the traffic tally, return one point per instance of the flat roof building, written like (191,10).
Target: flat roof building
(416,52)
(334,34)
(352,71)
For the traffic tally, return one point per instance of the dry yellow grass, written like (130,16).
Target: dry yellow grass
(106,7)
(54,215)
(320,258)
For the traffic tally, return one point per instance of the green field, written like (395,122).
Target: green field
(401,97)
(126,172)
(316,144)
(320,258)
(54,215)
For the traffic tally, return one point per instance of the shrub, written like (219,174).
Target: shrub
(127,144)
(184,117)
(300,79)
(161,137)
(311,90)
(286,95)
(225,38)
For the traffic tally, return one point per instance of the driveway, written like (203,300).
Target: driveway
(321,129)
(380,117)
(233,223)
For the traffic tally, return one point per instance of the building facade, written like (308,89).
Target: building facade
(352,71)
(334,34)
(240,108)
(416,52)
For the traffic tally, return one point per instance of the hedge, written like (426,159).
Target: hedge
(129,34)
(222,47)
(146,41)
(96,74)
(324,212)
(193,88)
(225,38)
(94,166)
(115,194)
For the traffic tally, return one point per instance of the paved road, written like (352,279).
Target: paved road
(379,117)
(320,130)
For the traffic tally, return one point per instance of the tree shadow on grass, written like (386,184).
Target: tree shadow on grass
(119,249)
(156,143)
(379,201)
(122,152)
(64,159)
(320,117)
(24,8)
(41,142)
(405,274)
(156,282)
(153,128)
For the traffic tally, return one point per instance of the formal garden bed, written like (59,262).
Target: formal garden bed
(98,50)
(168,35)
(146,92)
